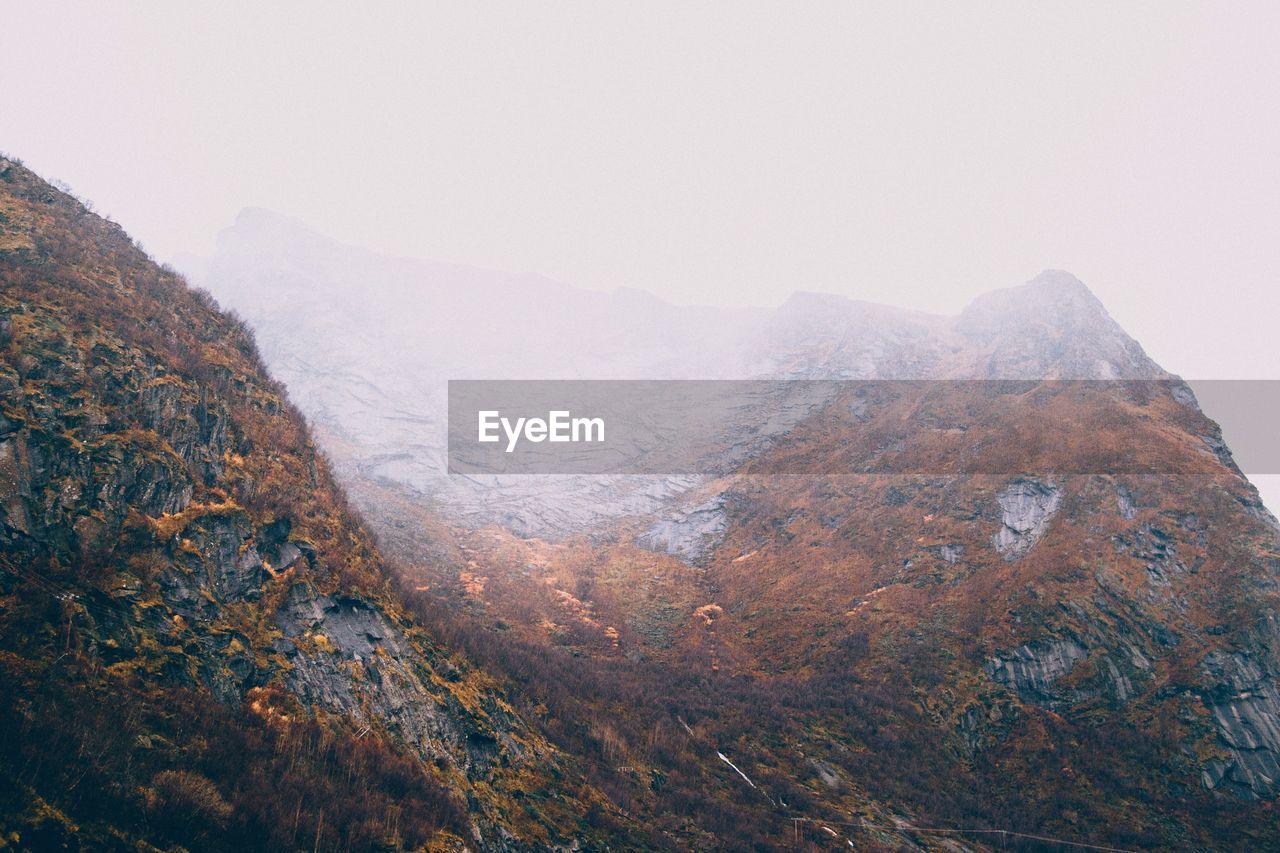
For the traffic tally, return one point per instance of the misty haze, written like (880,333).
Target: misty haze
(513,428)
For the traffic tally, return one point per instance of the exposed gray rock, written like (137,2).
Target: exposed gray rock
(1033,669)
(1124,502)
(383,686)
(829,774)
(288,554)
(1026,507)
(234,566)
(691,534)
(1219,448)
(970,728)
(1245,705)
(1256,509)
(75,502)
(1159,551)
(1182,393)
(353,626)
(1121,686)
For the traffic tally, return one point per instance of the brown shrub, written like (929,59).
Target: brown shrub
(180,797)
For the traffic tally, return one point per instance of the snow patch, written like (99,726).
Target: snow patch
(726,760)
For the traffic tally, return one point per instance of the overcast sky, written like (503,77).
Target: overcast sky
(708,152)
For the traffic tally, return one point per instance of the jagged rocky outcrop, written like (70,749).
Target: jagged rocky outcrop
(690,533)
(1245,705)
(1033,670)
(326,636)
(1026,507)
(1047,673)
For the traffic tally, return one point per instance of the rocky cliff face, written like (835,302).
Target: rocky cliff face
(170,535)
(1026,508)
(1245,705)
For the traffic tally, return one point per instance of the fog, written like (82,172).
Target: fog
(914,154)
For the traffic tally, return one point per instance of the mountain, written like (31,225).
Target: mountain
(1078,644)
(1088,656)
(199,644)
(1052,327)
(395,330)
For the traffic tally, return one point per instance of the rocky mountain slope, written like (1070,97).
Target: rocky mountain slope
(198,644)
(1079,643)
(1089,649)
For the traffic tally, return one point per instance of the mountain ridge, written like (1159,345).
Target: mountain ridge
(251,221)
(387,422)
(195,624)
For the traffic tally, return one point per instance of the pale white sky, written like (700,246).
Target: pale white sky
(915,154)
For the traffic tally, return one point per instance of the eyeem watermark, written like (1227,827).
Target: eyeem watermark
(558,426)
(824,427)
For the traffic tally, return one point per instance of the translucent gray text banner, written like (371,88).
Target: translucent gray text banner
(824,427)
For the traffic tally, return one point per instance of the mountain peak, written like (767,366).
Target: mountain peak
(1052,327)
(261,234)
(253,217)
(259,224)
(1052,292)
(1059,281)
